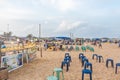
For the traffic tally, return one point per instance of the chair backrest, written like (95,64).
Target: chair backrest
(67,54)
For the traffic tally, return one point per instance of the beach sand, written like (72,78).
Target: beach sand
(40,68)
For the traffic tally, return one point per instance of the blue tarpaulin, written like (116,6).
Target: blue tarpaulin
(64,38)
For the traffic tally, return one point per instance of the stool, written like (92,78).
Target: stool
(117,64)
(52,78)
(109,60)
(84,60)
(99,58)
(81,54)
(94,55)
(87,64)
(58,70)
(86,71)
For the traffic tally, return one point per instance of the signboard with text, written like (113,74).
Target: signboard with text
(12,61)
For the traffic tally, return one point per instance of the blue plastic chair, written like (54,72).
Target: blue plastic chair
(66,62)
(86,71)
(81,58)
(117,64)
(67,54)
(84,60)
(81,54)
(88,64)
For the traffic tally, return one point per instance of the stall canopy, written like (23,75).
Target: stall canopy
(63,38)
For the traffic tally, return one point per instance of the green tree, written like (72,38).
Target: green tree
(30,36)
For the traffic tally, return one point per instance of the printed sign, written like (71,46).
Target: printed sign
(12,61)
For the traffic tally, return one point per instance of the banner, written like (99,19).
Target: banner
(12,61)
(30,54)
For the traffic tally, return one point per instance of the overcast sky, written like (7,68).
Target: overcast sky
(83,18)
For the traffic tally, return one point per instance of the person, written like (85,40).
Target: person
(100,45)
(61,47)
(46,46)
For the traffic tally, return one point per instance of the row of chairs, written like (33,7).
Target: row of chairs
(66,62)
(107,62)
(85,63)
(77,48)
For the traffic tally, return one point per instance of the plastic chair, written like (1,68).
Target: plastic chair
(87,64)
(86,71)
(68,58)
(81,57)
(66,47)
(66,62)
(91,49)
(52,78)
(81,54)
(94,55)
(99,58)
(83,48)
(84,60)
(110,60)
(71,48)
(117,64)
(58,71)
(67,54)
(62,49)
(77,48)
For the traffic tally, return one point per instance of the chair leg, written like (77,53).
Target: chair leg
(82,76)
(90,76)
(100,60)
(112,64)
(116,69)
(62,65)
(82,63)
(93,57)
(67,67)
(91,67)
(107,64)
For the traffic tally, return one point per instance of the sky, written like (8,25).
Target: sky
(82,18)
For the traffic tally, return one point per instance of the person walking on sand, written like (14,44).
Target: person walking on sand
(46,46)
(100,45)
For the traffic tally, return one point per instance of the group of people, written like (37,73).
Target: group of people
(49,45)
(95,43)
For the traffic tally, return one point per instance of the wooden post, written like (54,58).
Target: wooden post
(39,39)
(0,52)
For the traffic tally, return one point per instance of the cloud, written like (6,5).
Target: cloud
(66,26)
(61,5)
(14,13)
(65,5)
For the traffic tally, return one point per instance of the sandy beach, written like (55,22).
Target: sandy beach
(40,68)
